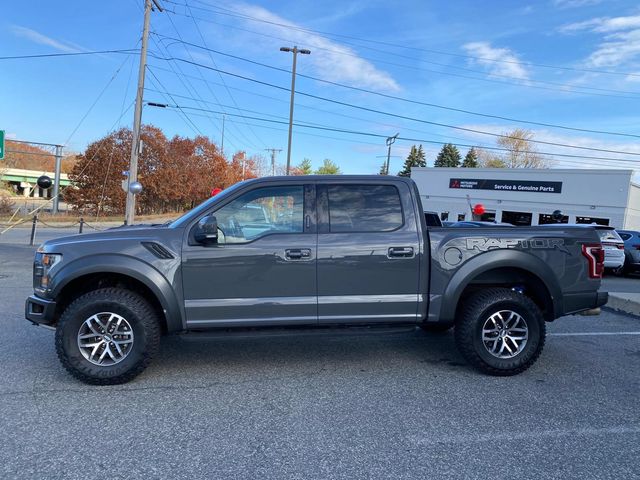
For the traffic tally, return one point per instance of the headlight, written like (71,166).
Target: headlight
(42,266)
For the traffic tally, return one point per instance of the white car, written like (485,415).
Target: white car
(613,248)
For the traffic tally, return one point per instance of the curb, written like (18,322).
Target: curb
(628,303)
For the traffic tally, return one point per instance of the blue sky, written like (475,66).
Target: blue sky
(475,56)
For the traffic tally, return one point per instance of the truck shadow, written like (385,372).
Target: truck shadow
(303,351)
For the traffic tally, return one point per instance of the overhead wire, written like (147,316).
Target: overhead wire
(406,117)
(234,13)
(407,100)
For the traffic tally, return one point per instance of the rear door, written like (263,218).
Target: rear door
(368,253)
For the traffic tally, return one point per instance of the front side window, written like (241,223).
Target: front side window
(364,208)
(260,212)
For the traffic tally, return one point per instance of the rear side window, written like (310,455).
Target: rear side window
(364,208)
(610,235)
(625,236)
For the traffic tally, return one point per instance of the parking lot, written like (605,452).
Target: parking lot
(335,405)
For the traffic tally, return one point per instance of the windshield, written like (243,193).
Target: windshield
(196,212)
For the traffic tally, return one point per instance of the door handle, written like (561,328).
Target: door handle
(400,252)
(297,253)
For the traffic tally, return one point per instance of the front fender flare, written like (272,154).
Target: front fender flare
(492,260)
(128,266)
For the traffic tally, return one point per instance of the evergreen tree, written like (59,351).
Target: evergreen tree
(416,158)
(449,156)
(471,159)
(305,167)
(328,168)
(383,169)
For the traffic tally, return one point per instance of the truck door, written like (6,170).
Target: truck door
(262,270)
(368,253)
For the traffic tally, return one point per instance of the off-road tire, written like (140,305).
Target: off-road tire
(130,305)
(472,316)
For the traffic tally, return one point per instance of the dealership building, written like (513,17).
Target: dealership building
(530,196)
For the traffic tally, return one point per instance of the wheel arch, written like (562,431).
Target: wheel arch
(89,274)
(504,268)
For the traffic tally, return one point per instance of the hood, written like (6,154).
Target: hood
(121,233)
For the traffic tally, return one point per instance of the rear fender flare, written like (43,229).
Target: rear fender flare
(492,260)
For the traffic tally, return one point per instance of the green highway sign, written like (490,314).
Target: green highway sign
(1,144)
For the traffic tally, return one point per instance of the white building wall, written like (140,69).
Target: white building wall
(632,217)
(586,193)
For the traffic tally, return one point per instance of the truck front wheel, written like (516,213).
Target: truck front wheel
(500,332)
(107,336)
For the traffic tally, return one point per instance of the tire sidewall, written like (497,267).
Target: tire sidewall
(74,318)
(534,325)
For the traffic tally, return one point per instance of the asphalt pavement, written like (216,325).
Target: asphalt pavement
(400,405)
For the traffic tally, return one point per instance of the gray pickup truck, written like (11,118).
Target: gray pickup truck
(313,252)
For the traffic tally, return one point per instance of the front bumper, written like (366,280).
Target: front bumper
(40,311)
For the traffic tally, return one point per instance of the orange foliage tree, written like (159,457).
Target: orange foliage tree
(176,174)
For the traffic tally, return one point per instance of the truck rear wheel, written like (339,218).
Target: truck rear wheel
(107,336)
(500,332)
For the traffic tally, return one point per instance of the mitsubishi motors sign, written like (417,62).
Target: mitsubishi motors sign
(506,185)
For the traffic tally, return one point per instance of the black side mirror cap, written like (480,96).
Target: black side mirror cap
(206,230)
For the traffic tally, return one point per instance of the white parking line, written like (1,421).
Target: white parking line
(590,334)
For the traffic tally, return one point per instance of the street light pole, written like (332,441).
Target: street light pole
(295,51)
(130,208)
(389,141)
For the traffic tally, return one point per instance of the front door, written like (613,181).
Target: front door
(368,254)
(262,270)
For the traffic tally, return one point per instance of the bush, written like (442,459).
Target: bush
(7,205)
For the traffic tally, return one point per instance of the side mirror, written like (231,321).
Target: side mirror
(207,230)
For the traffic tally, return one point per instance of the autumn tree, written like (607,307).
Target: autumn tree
(416,158)
(520,152)
(328,167)
(449,156)
(176,174)
(471,159)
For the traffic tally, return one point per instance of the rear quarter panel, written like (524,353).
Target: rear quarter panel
(552,254)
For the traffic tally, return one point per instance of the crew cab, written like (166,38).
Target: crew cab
(311,252)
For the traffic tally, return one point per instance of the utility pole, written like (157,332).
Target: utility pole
(273,159)
(130,208)
(222,144)
(295,51)
(56,180)
(389,141)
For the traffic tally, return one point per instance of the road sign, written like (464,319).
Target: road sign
(1,144)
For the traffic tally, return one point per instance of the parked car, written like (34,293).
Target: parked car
(631,240)
(612,244)
(353,251)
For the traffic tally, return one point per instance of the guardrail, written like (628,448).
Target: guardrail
(36,221)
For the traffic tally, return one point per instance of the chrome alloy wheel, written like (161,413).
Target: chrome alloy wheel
(105,339)
(505,334)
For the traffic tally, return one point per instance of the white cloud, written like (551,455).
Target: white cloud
(603,24)
(499,61)
(41,39)
(575,3)
(334,61)
(620,42)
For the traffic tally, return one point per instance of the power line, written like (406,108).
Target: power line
(71,54)
(215,65)
(209,88)
(235,13)
(417,102)
(376,135)
(405,117)
(565,88)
